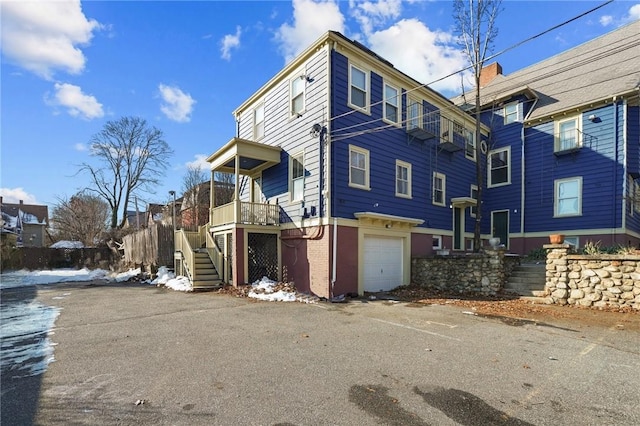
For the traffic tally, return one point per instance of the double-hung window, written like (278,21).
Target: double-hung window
(474,194)
(258,122)
(439,188)
(470,144)
(358,167)
(511,112)
(391,104)
(414,114)
(568,134)
(568,197)
(403,179)
(296,177)
(499,167)
(358,88)
(297,95)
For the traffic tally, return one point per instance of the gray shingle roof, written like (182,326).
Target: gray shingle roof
(596,70)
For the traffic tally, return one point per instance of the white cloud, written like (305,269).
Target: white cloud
(372,14)
(80,147)
(634,12)
(14,195)
(200,162)
(421,53)
(77,103)
(606,20)
(311,19)
(177,105)
(228,42)
(42,36)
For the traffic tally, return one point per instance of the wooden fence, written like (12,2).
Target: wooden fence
(152,246)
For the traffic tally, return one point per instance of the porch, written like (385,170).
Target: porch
(217,250)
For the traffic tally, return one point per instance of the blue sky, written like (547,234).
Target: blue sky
(68,67)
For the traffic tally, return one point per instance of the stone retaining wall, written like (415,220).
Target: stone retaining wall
(592,280)
(485,272)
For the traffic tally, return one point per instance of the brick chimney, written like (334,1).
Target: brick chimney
(488,73)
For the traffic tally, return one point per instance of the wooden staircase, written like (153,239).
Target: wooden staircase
(528,280)
(205,276)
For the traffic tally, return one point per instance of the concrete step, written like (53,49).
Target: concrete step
(206,284)
(527,280)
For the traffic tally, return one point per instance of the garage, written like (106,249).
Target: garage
(383,263)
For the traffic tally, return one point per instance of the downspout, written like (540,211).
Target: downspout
(335,254)
(615,170)
(523,171)
(327,188)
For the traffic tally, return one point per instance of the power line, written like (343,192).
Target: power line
(472,65)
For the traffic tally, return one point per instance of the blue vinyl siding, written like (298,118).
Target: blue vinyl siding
(385,147)
(505,197)
(597,162)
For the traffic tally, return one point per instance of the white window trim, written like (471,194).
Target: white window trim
(291,195)
(472,134)
(255,123)
(473,187)
(490,184)
(439,244)
(419,120)
(556,133)
(556,186)
(367,83)
(256,180)
(518,114)
(408,167)
(365,152)
(298,78)
(398,104)
(443,178)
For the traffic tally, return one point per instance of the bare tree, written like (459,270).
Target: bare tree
(224,187)
(195,199)
(132,157)
(476,25)
(83,217)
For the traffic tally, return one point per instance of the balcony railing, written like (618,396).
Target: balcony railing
(246,213)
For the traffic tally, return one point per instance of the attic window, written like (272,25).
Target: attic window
(512,113)
(297,95)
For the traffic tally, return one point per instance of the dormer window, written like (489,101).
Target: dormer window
(512,113)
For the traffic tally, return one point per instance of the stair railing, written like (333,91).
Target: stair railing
(212,249)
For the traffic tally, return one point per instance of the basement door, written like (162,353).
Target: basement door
(500,226)
(383,263)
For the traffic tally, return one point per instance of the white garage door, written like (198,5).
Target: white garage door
(383,265)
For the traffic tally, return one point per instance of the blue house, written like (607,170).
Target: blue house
(345,168)
(564,147)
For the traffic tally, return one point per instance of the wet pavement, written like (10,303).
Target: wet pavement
(134,354)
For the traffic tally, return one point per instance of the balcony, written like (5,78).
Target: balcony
(571,141)
(242,212)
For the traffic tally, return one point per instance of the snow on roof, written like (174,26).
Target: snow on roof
(67,245)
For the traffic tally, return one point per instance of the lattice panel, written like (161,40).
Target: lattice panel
(263,256)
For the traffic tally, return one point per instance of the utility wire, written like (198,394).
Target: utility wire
(487,59)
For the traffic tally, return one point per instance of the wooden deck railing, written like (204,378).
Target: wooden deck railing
(247,213)
(185,242)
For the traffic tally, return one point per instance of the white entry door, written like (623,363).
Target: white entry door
(383,263)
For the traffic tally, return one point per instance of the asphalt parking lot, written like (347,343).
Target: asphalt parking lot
(134,354)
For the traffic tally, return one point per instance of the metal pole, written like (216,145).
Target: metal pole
(173,211)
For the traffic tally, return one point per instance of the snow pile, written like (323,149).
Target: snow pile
(267,289)
(26,278)
(168,279)
(127,275)
(67,245)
